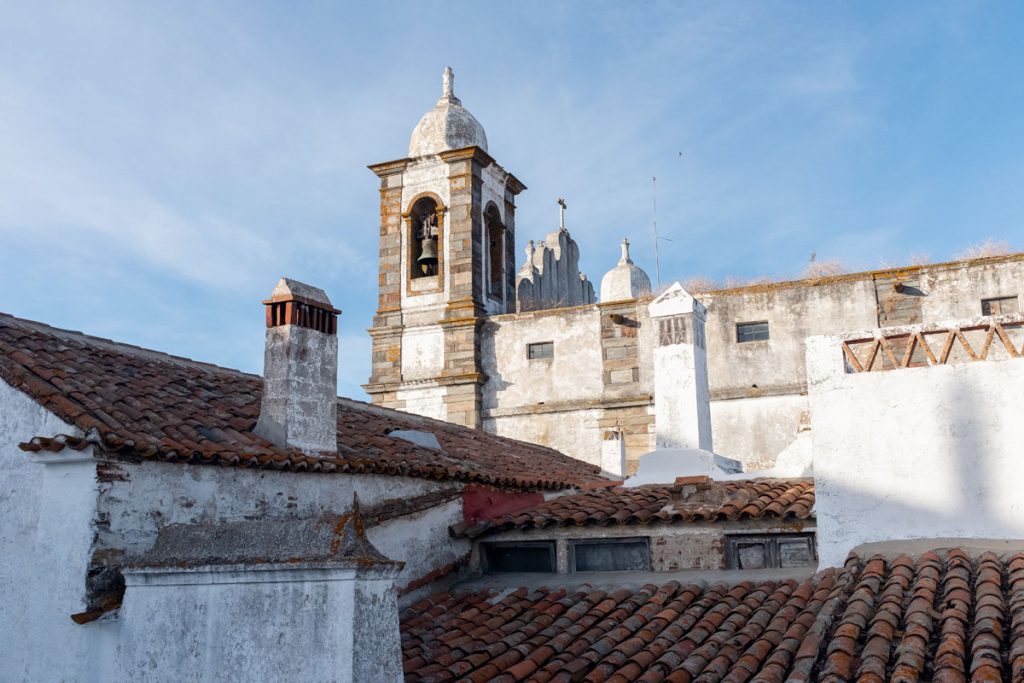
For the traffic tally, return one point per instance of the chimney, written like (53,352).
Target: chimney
(682,398)
(300,369)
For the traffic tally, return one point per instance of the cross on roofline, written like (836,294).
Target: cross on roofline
(561,213)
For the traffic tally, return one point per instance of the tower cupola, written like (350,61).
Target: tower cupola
(447,126)
(625,281)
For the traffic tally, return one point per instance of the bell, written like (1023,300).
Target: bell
(428,256)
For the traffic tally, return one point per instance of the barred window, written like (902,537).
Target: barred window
(748,332)
(540,350)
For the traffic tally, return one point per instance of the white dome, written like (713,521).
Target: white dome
(448,125)
(624,281)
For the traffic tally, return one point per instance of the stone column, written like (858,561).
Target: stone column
(682,398)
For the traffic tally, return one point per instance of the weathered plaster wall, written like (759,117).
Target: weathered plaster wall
(572,374)
(928,452)
(45,517)
(955,292)
(759,428)
(422,352)
(263,623)
(576,433)
(743,376)
(600,378)
(136,500)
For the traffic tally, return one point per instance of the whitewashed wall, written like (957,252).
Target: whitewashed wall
(148,496)
(757,428)
(55,512)
(553,402)
(46,514)
(931,452)
(270,623)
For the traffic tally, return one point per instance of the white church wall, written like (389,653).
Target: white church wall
(574,432)
(422,352)
(926,452)
(573,373)
(46,512)
(760,384)
(424,400)
(550,401)
(140,499)
(955,292)
(755,430)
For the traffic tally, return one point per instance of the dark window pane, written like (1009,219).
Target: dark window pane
(752,555)
(519,557)
(613,556)
(1004,305)
(770,551)
(795,553)
(748,332)
(540,350)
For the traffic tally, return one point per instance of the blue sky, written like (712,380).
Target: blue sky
(162,164)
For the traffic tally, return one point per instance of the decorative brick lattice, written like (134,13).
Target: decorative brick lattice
(986,340)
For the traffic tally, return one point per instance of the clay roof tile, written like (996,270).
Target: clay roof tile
(159,407)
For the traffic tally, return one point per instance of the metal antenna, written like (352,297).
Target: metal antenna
(657,256)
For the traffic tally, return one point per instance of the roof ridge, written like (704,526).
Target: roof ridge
(135,349)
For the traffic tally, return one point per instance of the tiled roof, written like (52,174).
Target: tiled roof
(155,406)
(940,618)
(747,499)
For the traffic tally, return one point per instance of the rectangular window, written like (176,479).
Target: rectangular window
(1004,305)
(540,350)
(525,556)
(748,332)
(610,555)
(770,551)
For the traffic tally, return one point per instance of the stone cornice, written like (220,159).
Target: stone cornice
(386,168)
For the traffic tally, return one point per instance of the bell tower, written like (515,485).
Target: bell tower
(447,261)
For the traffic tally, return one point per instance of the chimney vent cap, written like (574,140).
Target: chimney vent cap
(293,290)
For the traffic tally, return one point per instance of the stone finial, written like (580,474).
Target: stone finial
(448,79)
(625,253)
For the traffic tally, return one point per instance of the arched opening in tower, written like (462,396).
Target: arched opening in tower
(495,232)
(424,238)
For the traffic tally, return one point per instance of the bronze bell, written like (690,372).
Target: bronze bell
(428,255)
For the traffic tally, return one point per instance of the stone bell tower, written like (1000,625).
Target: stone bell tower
(447,260)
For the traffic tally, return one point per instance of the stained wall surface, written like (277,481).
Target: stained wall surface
(925,452)
(598,378)
(46,512)
(752,426)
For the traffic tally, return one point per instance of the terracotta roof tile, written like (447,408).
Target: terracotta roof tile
(653,503)
(942,617)
(151,405)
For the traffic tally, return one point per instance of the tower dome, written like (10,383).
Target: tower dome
(448,125)
(626,280)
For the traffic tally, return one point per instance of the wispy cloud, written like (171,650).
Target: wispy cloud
(157,155)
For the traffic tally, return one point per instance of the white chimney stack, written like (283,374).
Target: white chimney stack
(682,398)
(300,369)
